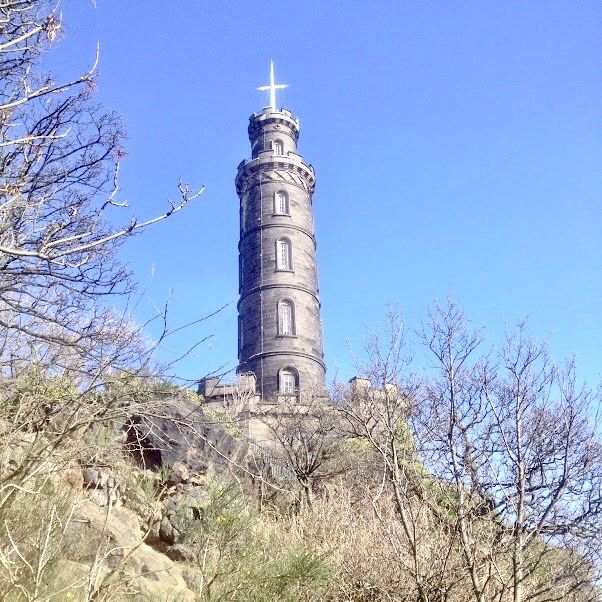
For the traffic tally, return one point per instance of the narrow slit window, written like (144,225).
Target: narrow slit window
(278,147)
(281,203)
(286,318)
(284,254)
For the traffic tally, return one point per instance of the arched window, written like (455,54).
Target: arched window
(278,147)
(281,203)
(289,381)
(284,254)
(286,318)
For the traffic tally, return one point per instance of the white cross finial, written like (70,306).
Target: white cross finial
(273,87)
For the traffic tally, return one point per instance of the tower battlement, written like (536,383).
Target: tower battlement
(270,119)
(271,126)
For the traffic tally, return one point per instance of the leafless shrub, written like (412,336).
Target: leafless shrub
(309,436)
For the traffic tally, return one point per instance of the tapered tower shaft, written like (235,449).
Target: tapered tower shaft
(280,332)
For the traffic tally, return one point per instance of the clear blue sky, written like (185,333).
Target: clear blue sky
(458,148)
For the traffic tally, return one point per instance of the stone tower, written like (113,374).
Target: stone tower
(279,328)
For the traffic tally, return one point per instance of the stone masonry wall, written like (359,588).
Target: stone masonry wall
(262,349)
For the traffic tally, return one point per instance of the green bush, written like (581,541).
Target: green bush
(241,555)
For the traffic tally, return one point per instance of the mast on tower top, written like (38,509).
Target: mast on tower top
(272,87)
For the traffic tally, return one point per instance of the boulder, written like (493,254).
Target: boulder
(101,485)
(185,503)
(153,574)
(181,551)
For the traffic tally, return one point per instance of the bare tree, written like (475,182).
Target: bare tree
(59,166)
(62,348)
(548,479)
(449,423)
(309,436)
(491,466)
(512,435)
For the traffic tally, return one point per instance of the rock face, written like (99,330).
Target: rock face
(183,504)
(180,441)
(137,536)
(178,437)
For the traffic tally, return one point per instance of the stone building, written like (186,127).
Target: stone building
(280,357)
(279,327)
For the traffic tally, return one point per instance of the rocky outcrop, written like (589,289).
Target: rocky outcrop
(137,535)
(185,445)
(178,436)
(128,559)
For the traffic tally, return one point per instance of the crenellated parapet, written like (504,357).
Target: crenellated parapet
(274,158)
(273,123)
